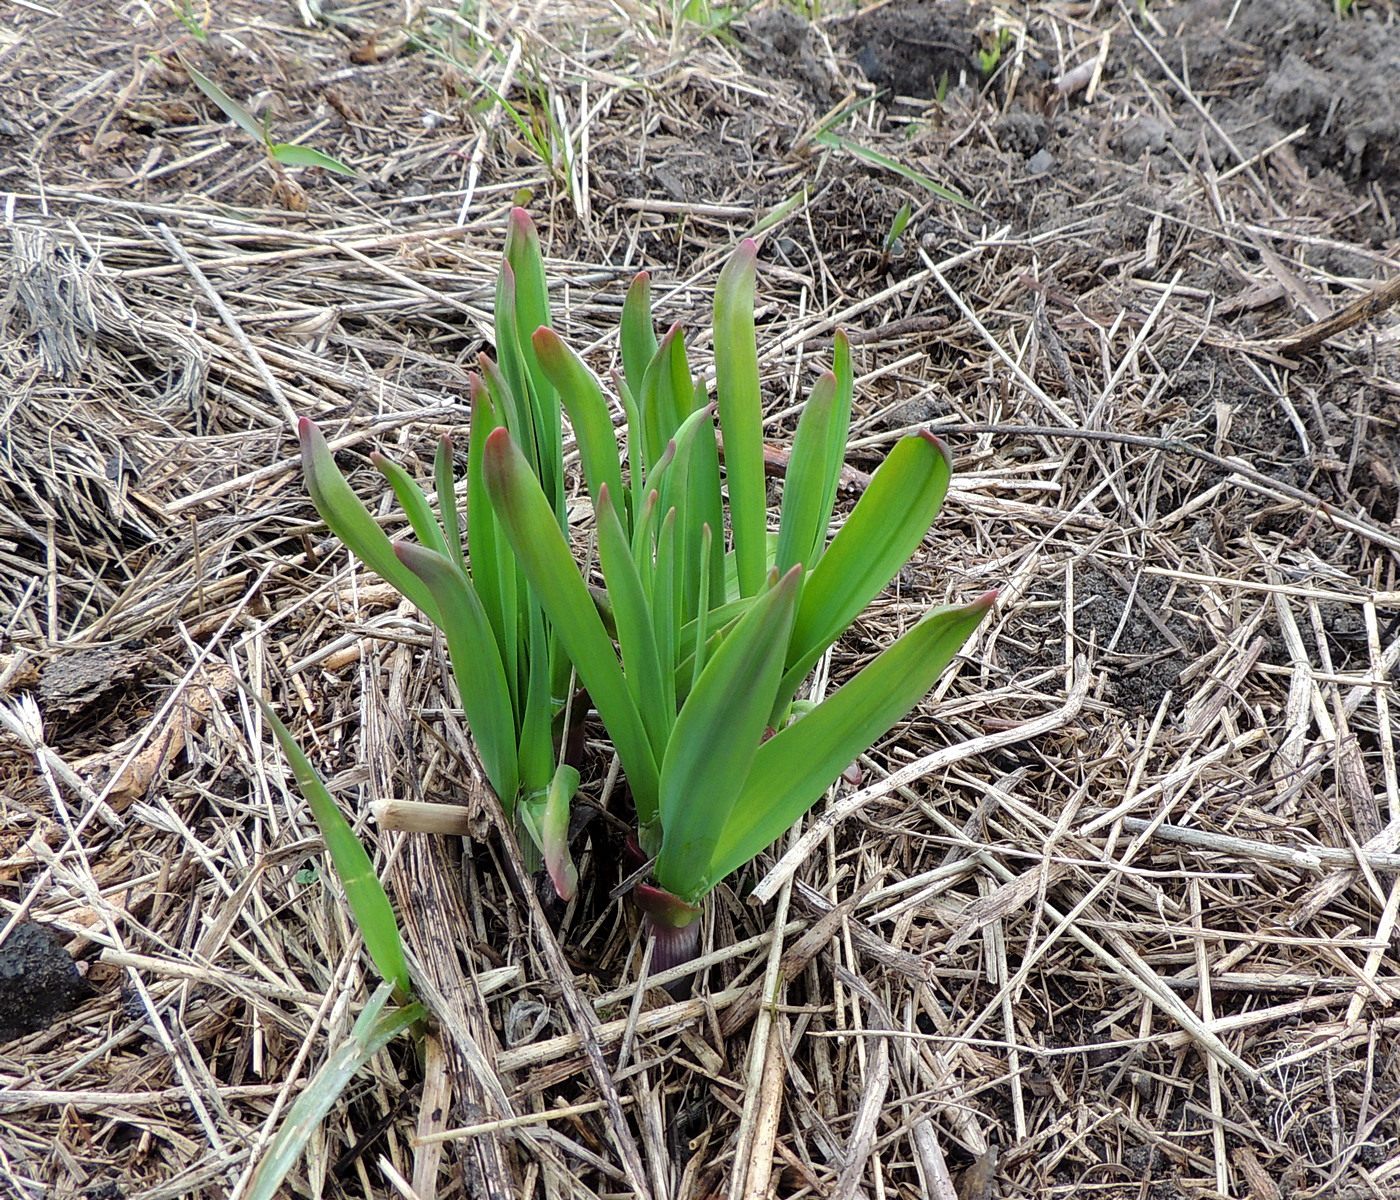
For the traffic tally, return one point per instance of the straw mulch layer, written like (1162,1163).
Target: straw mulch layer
(1113,915)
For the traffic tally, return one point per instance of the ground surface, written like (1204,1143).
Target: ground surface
(1125,923)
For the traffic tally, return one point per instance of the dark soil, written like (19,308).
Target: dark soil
(38,981)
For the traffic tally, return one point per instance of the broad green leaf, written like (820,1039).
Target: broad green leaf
(717,734)
(528,521)
(413,502)
(637,334)
(509,387)
(445,484)
(369,903)
(480,675)
(793,769)
(374,1029)
(740,404)
(662,410)
(802,529)
(692,487)
(546,820)
(351,521)
(702,616)
(884,529)
(291,155)
(632,615)
(235,112)
(588,413)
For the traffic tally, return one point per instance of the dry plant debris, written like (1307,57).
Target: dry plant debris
(1115,916)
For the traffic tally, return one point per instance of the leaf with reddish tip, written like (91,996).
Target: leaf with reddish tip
(477,666)
(793,769)
(740,404)
(546,819)
(717,734)
(413,502)
(883,531)
(527,519)
(637,335)
(588,413)
(351,521)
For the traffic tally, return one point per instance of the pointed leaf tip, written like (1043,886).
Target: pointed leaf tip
(521,219)
(938,444)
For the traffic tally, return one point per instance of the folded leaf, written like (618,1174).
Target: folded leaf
(793,769)
(637,335)
(445,483)
(716,736)
(546,819)
(413,502)
(838,429)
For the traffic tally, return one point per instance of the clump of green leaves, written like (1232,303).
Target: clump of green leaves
(511,672)
(696,683)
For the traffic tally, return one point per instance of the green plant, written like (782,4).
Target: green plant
(512,676)
(280,154)
(989,56)
(711,645)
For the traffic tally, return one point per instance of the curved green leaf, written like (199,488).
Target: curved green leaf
(793,769)
(882,532)
(351,521)
(717,735)
(638,337)
(291,155)
(802,528)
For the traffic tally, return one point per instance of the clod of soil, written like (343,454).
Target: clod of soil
(38,981)
(915,49)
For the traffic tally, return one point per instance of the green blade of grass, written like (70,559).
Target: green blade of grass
(835,141)
(740,404)
(884,529)
(838,431)
(480,675)
(717,734)
(665,603)
(230,107)
(802,527)
(374,1029)
(289,154)
(537,713)
(369,903)
(351,521)
(792,770)
(528,521)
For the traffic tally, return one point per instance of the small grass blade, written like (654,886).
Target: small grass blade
(289,154)
(374,1029)
(835,141)
(838,431)
(234,111)
(413,502)
(445,484)
(793,769)
(369,903)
